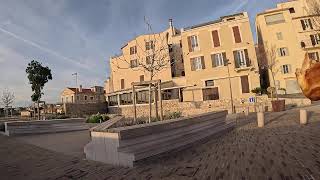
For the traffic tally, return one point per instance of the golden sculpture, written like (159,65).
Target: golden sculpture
(309,78)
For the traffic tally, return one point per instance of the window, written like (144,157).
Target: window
(133,50)
(180,44)
(286,69)
(241,58)
(210,94)
(291,10)
(215,38)
(122,84)
(275,19)
(245,84)
(78,98)
(314,56)
(170,94)
(218,59)
(182,59)
(91,98)
(141,78)
(85,98)
(72,99)
(209,83)
(113,100)
(143,97)
(279,36)
(306,24)
(193,43)
(134,63)
(170,48)
(149,45)
(236,34)
(283,52)
(197,63)
(149,59)
(126,99)
(315,39)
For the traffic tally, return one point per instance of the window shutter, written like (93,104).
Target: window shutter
(236,61)
(215,38)
(287,51)
(189,44)
(279,52)
(202,62)
(317,56)
(245,84)
(193,68)
(289,68)
(213,59)
(247,57)
(303,25)
(313,40)
(236,33)
(224,59)
(310,23)
(282,67)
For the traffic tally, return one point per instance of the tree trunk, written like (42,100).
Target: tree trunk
(38,110)
(274,84)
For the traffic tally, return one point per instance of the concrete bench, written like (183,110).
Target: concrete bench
(44,126)
(127,145)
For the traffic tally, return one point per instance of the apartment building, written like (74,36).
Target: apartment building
(209,61)
(289,31)
(81,95)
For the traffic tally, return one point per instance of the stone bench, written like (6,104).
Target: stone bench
(127,145)
(44,126)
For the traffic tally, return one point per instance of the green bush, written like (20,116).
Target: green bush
(98,118)
(173,115)
(257,90)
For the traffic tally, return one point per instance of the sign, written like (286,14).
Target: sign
(252,99)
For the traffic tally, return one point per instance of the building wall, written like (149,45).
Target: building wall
(69,96)
(227,44)
(85,109)
(293,34)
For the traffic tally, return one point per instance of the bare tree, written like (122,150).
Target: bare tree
(7,99)
(313,9)
(268,61)
(152,56)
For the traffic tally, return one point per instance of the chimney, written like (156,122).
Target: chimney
(173,32)
(80,89)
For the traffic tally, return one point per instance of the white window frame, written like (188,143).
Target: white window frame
(194,42)
(219,60)
(285,69)
(197,63)
(242,58)
(283,51)
(317,38)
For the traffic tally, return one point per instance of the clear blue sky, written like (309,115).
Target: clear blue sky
(80,35)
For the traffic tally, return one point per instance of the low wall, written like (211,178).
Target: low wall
(193,108)
(44,126)
(127,145)
(85,109)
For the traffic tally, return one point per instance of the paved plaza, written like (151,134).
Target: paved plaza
(282,150)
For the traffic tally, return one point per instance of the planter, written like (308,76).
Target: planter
(125,146)
(278,105)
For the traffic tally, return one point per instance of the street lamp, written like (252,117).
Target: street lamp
(227,62)
(75,74)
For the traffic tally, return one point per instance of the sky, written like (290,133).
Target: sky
(72,36)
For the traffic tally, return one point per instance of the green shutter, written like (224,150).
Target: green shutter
(213,59)
(203,63)
(236,61)
(225,61)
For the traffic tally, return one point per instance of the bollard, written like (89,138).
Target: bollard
(303,116)
(246,111)
(260,117)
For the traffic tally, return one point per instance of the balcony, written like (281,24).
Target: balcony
(243,65)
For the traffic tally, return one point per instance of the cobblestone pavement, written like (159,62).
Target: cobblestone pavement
(282,150)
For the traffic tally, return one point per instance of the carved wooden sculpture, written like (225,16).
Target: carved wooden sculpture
(309,78)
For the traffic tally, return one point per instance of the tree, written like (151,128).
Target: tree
(7,99)
(38,76)
(268,60)
(313,9)
(157,54)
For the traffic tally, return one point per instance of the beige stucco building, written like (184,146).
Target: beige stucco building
(289,30)
(81,95)
(203,60)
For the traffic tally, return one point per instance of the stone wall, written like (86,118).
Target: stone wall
(85,109)
(192,108)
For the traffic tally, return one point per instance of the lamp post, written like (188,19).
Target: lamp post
(76,74)
(230,86)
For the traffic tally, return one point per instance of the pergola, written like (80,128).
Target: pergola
(157,85)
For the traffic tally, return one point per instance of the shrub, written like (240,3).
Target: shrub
(173,115)
(257,90)
(98,118)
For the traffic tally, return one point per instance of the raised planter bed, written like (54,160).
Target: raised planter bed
(125,146)
(44,126)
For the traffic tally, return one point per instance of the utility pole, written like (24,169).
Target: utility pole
(230,86)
